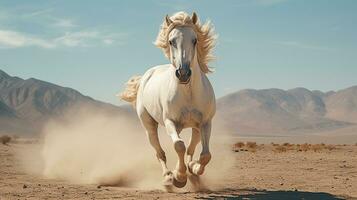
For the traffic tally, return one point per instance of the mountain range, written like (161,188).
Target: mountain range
(287,111)
(26,105)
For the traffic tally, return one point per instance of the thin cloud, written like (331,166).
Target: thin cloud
(46,17)
(57,32)
(301,45)
(65,23)
(13,39)
(108,41)
(38,12)
(83,39)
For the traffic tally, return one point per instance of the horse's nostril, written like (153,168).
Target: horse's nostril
(177,73)
(189,73)
(183,75)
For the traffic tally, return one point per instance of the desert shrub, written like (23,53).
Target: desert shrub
(330,147)
(280,148)
(289,146)
(5,139)
(239,145)
(317,147)
(298,147)
(304,147)
(252,145)
(285,147)
(274,144)
(248,146)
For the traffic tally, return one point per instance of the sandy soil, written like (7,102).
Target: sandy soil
(261,175)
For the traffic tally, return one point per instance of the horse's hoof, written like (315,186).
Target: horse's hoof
(179,184)
(179,180)
(191,165)
(168,179)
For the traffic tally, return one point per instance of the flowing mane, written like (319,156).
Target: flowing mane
(206,38)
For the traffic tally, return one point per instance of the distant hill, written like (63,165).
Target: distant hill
(271,111)
(26,105)
(342,105)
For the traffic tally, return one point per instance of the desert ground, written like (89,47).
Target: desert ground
(259,171)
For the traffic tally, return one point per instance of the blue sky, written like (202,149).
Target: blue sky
(95,46)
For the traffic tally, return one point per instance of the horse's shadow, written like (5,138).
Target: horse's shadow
(253,194)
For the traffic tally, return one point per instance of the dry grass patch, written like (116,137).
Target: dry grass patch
(285,147)
(280,149)
(331,147)
(304,147)
(287,144)
(274,144)
(248,146)
(252,145)
(239,145)
(317,147)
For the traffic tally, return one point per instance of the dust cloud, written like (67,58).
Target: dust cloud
(94,147)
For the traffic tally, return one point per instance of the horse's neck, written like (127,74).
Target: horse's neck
(196,79)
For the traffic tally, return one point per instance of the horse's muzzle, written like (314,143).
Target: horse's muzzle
(183,75)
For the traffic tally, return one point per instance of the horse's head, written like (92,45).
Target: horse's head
(182,43)
(184,40)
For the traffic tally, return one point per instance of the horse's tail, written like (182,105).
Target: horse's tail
(131,90)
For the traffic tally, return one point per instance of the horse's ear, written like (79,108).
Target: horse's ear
(168,20)
(194,18)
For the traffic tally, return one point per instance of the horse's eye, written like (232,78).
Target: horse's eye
(172,43)
(194,41)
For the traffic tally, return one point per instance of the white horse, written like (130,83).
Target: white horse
(178,95)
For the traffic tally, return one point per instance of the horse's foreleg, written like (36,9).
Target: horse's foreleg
(151,131)
(160,154)
(195,139)
(198,167)
(180,176)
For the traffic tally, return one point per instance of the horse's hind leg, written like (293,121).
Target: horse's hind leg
(198,167)
(180,176)
(151,130)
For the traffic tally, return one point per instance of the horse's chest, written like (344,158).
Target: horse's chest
(186,111)
(190,116)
